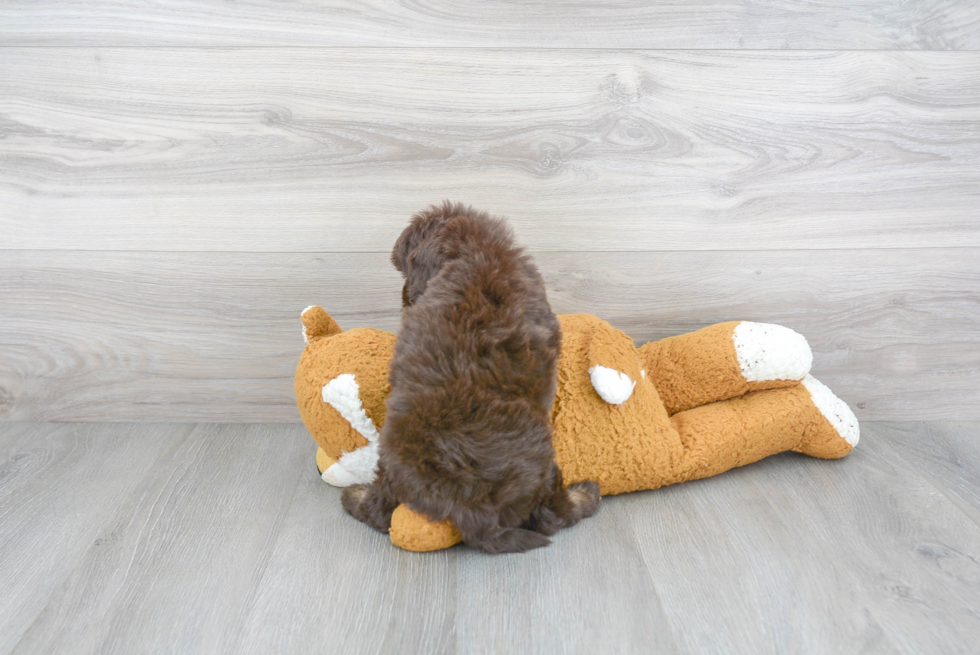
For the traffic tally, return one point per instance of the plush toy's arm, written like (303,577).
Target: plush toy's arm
(613,366)
(724,361)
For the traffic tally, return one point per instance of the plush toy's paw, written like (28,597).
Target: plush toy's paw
(412,531)
(769,352)
(615,387)
(834,410)
(839,433)
(323,460)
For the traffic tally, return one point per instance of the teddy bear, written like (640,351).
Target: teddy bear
(682,408)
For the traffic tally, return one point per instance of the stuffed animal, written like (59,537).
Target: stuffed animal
(629,418)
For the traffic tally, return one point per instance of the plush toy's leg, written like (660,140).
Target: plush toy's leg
(413,531)
(724,361)
(807,418)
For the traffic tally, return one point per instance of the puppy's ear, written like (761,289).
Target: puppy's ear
(419,253)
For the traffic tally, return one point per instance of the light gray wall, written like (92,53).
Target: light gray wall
(168,208)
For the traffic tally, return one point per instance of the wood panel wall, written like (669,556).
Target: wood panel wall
(177,182)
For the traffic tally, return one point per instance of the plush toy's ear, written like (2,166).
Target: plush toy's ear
(317,323)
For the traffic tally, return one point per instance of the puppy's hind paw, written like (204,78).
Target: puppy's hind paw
(352,497)
(584,497)
(366,504)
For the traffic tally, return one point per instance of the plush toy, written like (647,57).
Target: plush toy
(682,408)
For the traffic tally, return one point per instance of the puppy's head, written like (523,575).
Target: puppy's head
(427,244)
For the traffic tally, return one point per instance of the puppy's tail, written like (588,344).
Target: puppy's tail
(480,528)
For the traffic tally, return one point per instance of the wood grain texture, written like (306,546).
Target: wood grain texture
(947,454)
(231,543)
(172,336)
(589,592)
(216,336)
(799,555)
(334,585)
(327,150)
(701,24)
(176,564)
(59,488)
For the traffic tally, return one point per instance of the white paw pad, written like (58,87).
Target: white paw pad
(771,352)
(834,410)
(612,386)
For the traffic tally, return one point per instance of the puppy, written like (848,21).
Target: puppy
(468,430)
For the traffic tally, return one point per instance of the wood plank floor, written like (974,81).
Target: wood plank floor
(773,24)
(203,538)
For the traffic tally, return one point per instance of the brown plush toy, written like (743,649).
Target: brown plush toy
(679,409)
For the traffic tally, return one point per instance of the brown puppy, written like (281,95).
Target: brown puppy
(468,430)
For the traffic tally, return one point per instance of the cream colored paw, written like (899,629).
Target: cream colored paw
(771,352)
(615,387)
(834,410)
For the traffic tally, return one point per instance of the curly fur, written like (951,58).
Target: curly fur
(468,435)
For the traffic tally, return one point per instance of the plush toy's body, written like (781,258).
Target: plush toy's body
(629,418)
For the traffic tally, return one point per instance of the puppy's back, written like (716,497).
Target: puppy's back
(484,314)
(473,377)
(467,435)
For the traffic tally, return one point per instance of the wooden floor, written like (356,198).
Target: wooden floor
(204,538)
